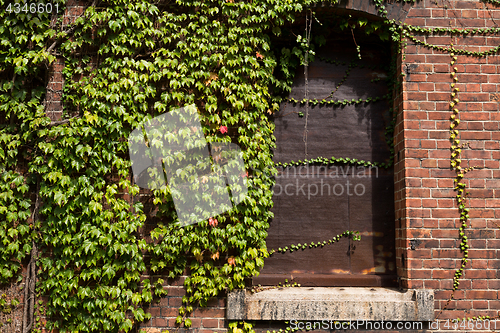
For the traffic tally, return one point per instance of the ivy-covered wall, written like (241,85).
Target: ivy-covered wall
(106,257)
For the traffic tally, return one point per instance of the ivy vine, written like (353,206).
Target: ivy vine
(354,235)
(334,160)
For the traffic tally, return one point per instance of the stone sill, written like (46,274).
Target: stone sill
(332,303)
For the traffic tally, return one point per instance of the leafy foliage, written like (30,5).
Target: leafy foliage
(16,233)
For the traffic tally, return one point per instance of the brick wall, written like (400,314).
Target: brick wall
(427,217)
(204,320)
(11,317)
(428,238)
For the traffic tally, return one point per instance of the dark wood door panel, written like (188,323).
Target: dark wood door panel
(313,203)
(331,259)
(307,209)
(356,130)
(373,215)
(351,131)
(312,206)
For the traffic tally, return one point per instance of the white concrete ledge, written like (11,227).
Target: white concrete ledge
(332,303)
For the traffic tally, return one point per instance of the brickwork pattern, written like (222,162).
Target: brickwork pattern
(204,320)
(11,321)
(427,218)
(428,244)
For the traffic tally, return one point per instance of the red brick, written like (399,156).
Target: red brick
(176,291)
(491,107)
(416,78)
(491,126)
(474,97)
(480,305)
(480,193)
(436,59)
(155,311)
(169,312)
(446,253)
(442,173)
(481,294)
(447,243)
(415,264)
(421,68)
(475,125)
(428,144)
(463,305)
(444,233)
(418,273)
(415,182)
(443,193)
(474,116)
(423,213)
(442,274)
(210,323)
(415,21)
(415,58)
(417,173)
(444,164)
(429,182)
(161,322)
(420,12)
(439,115)
(495,203)
(209,313)
(426,86)
(494,264)
(488,69)
(175,302)
(465,77)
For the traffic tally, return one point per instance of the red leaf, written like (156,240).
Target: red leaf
(213,222)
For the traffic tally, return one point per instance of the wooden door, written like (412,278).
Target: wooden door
(315,202)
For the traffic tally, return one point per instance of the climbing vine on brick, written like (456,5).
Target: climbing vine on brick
(456,145)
